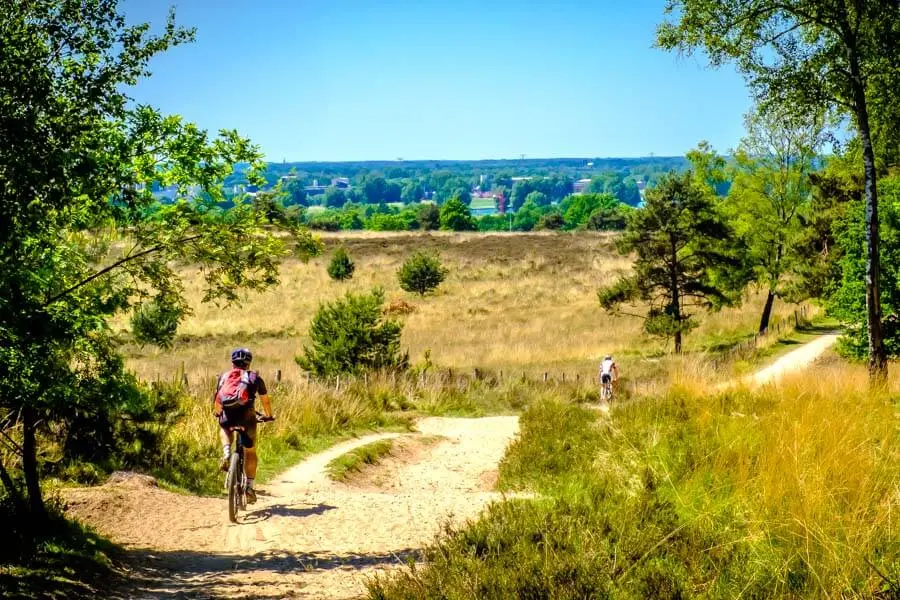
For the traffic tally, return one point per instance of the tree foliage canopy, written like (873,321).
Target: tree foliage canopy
(82,237)
(421,273)
(807,56)
(684,259)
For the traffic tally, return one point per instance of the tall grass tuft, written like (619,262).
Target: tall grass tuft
(788,491)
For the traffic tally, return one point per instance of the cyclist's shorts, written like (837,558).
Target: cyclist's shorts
(246,417)
(606,378)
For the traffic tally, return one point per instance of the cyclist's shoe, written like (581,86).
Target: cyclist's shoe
(251,496)
(225,464)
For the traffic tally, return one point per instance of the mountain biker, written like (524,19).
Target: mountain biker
(609,372)
(241,413)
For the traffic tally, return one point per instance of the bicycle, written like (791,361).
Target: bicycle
(606,390)
(236,478)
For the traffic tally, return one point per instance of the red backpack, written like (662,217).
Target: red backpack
(234,389)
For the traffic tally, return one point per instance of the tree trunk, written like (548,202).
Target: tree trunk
(767,312)
(675,292)
(12,491)
(877,352)
(30,466)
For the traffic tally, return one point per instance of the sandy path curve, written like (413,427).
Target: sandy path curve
(795,360)
(308,537)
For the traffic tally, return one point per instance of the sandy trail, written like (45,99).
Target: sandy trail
(308,537)
(795,360)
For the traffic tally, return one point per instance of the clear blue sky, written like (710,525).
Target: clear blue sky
(423,79)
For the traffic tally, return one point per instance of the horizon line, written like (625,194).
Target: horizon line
(448,160)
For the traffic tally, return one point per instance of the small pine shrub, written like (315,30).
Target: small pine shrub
(156,322)
(351,335)
(341,266)
(421,273)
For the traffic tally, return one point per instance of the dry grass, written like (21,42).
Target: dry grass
(521,303)
(789,491)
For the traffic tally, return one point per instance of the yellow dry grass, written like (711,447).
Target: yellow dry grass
(520,303)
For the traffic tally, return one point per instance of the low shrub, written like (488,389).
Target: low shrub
(351,335)
(341,266)
(421,273)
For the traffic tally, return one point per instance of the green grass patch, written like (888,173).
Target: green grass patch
(354,461)
(683,496)
(61,560)
(556,439)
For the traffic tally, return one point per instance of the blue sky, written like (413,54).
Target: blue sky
(463,79)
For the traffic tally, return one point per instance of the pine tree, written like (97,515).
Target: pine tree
(421,273)
(341,266)
(683,259)
(351,335)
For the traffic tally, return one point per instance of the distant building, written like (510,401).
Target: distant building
(341,183)
(580,186)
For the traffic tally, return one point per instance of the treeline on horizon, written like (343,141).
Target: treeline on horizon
(521,195)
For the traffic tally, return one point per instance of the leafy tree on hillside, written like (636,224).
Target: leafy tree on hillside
(429,217)
(335,197)
(848,300)
(387,222)
(412,192)
(77,160)
(835,189)
(527,217)
(682,259)
(538,198)
(578,208)
(341,266)
(519,193)
(609,219)
(552,221)
(463,195)
(808,56)
(455,216)
(769,201)
(421,273)
(373,189)
(351,335)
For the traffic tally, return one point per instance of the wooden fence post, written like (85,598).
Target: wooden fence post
(545,376)
(278,376)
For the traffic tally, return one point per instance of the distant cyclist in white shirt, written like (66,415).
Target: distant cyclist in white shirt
(609,374)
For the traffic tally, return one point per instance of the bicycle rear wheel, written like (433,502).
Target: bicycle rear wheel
(233,483)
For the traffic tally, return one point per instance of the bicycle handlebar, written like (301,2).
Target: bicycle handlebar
(261,418)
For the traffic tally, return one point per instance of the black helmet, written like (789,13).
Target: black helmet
(241,356)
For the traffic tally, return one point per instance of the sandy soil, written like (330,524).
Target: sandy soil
(307,537)
(795,360)
(310,537)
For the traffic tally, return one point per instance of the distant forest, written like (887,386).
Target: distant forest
(414,180)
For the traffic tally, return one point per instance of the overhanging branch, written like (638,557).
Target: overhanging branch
(112,267)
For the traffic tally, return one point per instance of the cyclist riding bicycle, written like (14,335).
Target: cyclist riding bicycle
(235,406)
(609,372)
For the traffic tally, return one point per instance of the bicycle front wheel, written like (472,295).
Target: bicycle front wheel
(233,483)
